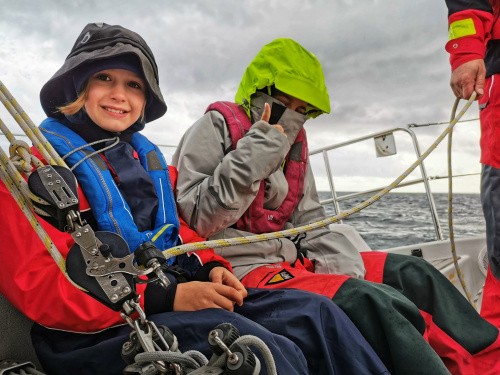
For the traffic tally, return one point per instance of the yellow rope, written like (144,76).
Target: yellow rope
(453,249)
(13,179)
(29,128)
(13,184)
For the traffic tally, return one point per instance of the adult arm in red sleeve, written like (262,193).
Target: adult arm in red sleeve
(469,31)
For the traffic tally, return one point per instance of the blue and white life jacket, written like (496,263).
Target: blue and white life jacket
(109,208)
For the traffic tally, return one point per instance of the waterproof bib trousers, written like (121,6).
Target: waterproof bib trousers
(402,303)
(321,340)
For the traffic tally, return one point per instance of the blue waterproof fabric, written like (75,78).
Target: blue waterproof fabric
(297,322)
(110,209)
(490,185)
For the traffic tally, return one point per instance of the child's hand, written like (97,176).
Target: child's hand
(198,295)
(221,275)
(266,115)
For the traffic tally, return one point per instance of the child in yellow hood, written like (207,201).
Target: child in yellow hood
(238,175)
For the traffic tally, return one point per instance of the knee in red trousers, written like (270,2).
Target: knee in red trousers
(490,306)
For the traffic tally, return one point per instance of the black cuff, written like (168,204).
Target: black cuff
(204,271)
(157,299)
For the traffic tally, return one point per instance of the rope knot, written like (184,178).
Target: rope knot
(21,156)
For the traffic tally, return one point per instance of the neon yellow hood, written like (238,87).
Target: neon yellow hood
(291,69)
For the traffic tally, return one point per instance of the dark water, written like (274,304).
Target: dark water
(404,218)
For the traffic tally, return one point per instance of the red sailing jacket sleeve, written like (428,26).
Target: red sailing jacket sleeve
(470,27)
(32,281)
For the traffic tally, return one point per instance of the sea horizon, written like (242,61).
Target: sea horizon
(399,218)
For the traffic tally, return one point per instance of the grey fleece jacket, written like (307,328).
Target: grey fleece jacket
(216,185)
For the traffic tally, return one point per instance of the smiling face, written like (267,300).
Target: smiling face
(116,99)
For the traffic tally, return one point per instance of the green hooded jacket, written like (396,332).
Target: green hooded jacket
(291,69)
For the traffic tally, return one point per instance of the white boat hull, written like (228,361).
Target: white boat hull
(471,254)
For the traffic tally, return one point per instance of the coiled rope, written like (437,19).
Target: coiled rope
(192,360)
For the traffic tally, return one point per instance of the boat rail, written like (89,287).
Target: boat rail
(385,146)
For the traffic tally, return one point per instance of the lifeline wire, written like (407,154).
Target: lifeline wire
(177,250)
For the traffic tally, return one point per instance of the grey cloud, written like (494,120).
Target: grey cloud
(384,61)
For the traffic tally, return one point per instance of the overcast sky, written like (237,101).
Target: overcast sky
(384,62)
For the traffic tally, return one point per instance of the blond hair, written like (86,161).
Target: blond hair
(76,105)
